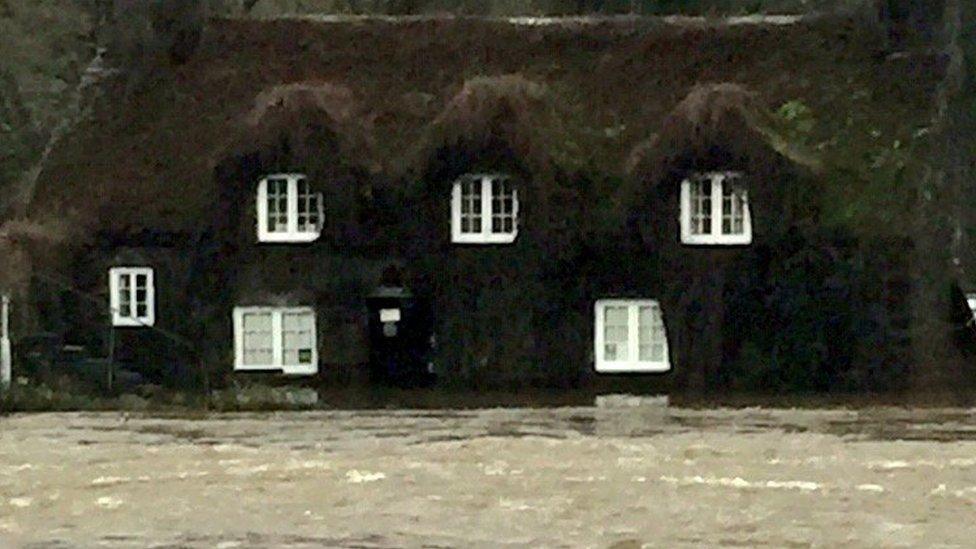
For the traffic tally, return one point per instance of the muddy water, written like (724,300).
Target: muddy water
(568,477)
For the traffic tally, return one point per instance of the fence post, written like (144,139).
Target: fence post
(110,369)
(5,352)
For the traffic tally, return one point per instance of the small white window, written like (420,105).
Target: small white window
(715,210)
(484,210)
(971,301)
(630,336)
(275,338)
(288,210)
(132,296)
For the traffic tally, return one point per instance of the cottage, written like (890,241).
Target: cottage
(291,245)
(711,186)
(493,203)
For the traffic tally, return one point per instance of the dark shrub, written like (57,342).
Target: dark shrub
(820,313)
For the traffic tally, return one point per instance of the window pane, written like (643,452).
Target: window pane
(141,298)
(738,212)
(701,206)
(733,213)
(297,337)
(502,206)
(471,206)
(125,295)
(615,333)
(650,333)
(277,205)
(258,344)
(726,210)
(142,305)
(307,207)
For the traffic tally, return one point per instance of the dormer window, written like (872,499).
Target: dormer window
(715,210)
(484,210)
(288,210)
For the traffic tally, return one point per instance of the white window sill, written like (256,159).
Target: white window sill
(291,370)
(605,367)
(494,238)
(289,238)
(716,240)
(128,322)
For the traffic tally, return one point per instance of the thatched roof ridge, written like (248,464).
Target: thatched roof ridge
(724,114)
(509,109)
(287,109)
(335,100)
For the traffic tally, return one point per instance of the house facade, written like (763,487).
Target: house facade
(487,203)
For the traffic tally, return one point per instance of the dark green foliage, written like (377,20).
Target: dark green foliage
(504,315)
(820,312)
(911,22)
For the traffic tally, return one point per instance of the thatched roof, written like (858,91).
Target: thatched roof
(336,101)
(580,97)
(22,239)
(724,116)
(510,110)
(296,110)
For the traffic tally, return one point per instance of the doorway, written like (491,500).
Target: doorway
(400,338)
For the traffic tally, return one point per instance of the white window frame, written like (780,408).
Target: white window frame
(131,320)
(292,234)
(632,364)
(716,236)
(971,301)
(277,338)
(485,235)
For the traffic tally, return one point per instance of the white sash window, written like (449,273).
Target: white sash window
(288,210)
(484,210)
(630,336)
(715,210)
(275,338)
(132,296)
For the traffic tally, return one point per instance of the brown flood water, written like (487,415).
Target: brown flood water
(647,476)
